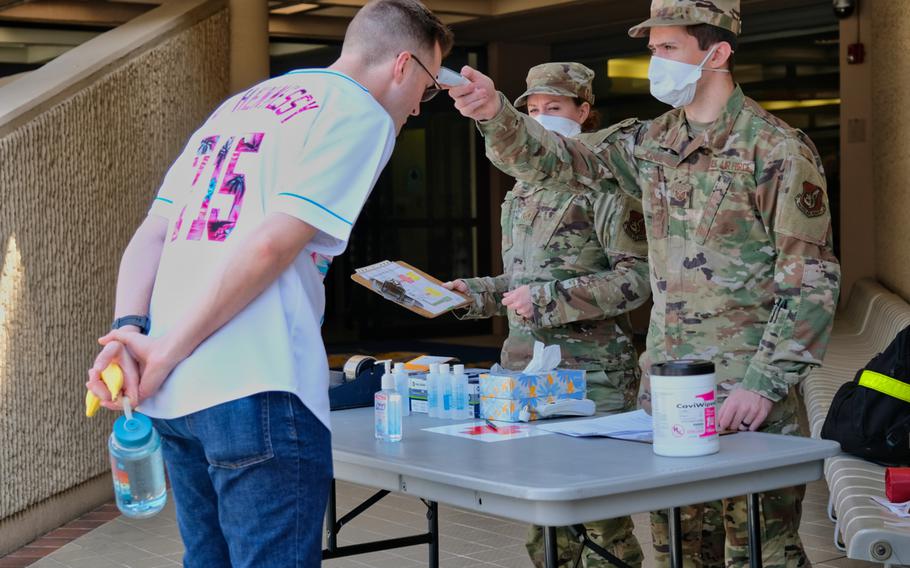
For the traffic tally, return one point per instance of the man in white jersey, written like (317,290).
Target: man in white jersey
(225,275)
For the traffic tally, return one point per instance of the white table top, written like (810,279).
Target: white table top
(557,480)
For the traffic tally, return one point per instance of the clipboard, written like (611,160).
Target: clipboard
(409,287)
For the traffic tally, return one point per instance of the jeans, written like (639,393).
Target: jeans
(250,480)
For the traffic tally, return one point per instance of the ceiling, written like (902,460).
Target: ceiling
(315,19)
(33,32)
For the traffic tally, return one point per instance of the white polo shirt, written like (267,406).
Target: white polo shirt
(310,144)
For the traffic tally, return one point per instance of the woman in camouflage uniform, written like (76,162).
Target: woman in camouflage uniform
(574,265)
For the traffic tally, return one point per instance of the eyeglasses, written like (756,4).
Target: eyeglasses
(429,92)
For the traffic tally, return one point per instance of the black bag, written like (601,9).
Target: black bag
(870,416)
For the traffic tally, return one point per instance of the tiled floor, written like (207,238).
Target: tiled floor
(468,540)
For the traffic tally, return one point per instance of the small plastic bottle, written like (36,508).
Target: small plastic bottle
(137,465)
(445,391)
(446,394)
(387,408)
(433,391)
(402,386)
(460,389)
(455,412)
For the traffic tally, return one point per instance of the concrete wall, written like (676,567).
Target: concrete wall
(857,214)
(875,153)
(888,43)
(84,143)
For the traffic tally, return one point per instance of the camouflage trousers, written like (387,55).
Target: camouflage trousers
(612,392)
(615,535)
(715,534)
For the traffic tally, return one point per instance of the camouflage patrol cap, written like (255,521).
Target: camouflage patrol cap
(563,79)
(721,13)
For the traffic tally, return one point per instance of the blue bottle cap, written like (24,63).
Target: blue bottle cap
(133,433)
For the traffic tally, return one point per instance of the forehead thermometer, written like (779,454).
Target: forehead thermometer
(450,78)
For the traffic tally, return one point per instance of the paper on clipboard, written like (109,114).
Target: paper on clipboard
(407,286)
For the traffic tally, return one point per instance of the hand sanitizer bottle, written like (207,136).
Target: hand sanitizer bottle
(433,391)
(401,385)
(460,392)
(445,391)
(387,408)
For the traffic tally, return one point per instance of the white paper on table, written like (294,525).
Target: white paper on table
(902,510)
(481,431)
(636,426)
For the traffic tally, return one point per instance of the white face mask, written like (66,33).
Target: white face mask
(559,124)
(674,82)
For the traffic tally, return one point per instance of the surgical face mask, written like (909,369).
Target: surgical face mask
(674,82)
(559,124)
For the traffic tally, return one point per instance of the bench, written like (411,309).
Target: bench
(863,529)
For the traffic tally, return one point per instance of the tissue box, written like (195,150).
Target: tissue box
(509,409)
(504,393)
(514,385)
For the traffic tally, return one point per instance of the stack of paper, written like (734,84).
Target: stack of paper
(636,426)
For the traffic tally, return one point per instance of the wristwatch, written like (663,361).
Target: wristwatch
(142,322)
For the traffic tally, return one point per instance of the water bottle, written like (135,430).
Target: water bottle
(137,465)
(402,381)
(387,409)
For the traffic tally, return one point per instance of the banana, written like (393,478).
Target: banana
(92,403)
(112,377)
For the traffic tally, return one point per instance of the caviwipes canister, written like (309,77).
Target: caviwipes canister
(683,399)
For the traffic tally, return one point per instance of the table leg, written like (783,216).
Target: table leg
(675,525)
(331,537)
(754,519)
(550,548)
(433,522)
(334,525)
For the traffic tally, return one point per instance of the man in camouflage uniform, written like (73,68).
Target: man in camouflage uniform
(739,236)
(580,256)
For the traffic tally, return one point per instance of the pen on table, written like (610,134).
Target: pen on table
(491,425)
